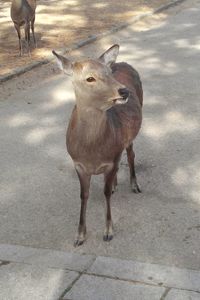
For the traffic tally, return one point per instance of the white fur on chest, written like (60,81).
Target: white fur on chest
(93,169)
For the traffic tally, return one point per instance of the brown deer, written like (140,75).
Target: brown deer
(23,14)
(105,120)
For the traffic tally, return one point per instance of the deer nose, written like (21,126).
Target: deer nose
(124,92)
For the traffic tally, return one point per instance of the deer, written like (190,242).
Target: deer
(23,14)
(105,120)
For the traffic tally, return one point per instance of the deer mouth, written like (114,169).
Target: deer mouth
(120,100)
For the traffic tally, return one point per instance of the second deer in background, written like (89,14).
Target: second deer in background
(23,14)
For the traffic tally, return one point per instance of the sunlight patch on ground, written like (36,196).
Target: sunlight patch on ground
(20,120)
(167,67)
(185,43)
(100,5)
(60,97)
(189,176)
(44,52)
(37,135)
(48,121)
(136,54)
(196,47)
(170,123)
(182,43)
(155,21)
(150,59)
(152,100)
(170,68)
(61,19)
(180,176)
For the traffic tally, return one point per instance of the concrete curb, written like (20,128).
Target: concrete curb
(110,267)
(95,270)
(90,39)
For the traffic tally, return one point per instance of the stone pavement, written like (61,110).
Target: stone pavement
(28,273)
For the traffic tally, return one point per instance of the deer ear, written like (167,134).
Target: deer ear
(110,56)
(64,63)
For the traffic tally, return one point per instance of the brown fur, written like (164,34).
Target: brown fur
(100,129)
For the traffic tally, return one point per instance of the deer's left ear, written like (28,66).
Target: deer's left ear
(64,63)
(110,55)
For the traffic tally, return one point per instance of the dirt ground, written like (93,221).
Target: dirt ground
(61,23)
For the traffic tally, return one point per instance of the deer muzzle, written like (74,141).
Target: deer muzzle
(124,93)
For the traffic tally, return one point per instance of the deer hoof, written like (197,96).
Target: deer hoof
(114,189)
(136,188)
(78,242)
(80,239)
(107,237)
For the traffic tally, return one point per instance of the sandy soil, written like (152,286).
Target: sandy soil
(60,23)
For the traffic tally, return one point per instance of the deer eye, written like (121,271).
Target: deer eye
(91,79)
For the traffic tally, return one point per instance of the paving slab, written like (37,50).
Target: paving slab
(25,282)
(45,257)
(148,273)
(98,288)
(39,270)
(182,295)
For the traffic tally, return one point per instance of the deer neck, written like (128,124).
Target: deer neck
(91,122)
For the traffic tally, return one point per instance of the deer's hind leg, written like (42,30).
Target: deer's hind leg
(114,185)
(17,27)
(33,31)
(27,36)
(131,161)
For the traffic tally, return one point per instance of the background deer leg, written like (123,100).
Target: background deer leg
(27,36)
(33,31)
(19,37)
(133,180)
(84,194)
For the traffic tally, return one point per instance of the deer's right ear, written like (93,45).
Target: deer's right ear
(109,57)
(64,64)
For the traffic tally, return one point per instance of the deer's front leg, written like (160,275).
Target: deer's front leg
(84,194)
(109,180)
